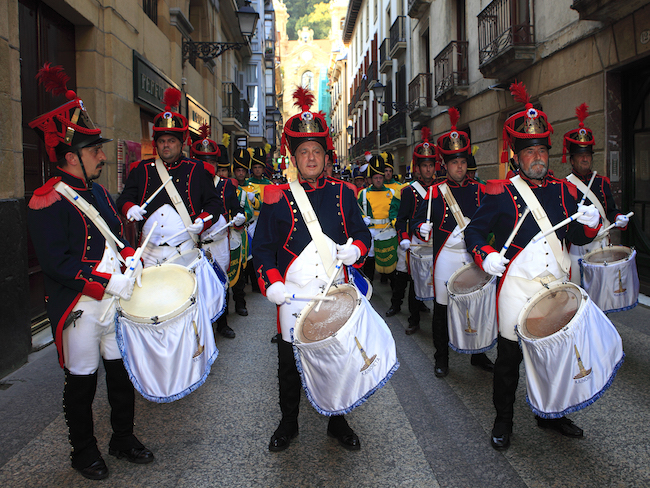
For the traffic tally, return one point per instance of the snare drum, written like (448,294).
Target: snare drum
(165,338)
(610,278)
(211,281)
(471,310)
(571,350)
(421,264)
(344,352)
(386,245)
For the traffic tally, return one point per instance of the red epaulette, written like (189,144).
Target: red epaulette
(273,193)
(573,190)
(209,168)
(234,182)
(134,165)
(46,195)
(496,187)
(434,191)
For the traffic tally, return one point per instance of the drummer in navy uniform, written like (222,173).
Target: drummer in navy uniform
(527,267)
(579,143)
(413,209)
(207,150)
(82,274)
(449,248)
(281,244)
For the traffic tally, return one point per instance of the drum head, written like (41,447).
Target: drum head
(608,255)
(551,311)
(165,292)
(321,324)
(468,279)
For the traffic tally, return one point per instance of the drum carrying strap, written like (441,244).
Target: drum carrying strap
(591,196)
(561,254)
(453,205)
(89,211)
(175,197)
(313,225)
(423,193)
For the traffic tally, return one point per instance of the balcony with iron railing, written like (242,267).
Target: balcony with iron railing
(451,70)
(420,99)
(417,8)
(607,11)
(506,39)
(235,112)
(398,36)
(393,132)
(372,74)
(368,143)
(385,61)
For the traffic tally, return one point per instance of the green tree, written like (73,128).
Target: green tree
(318,19)
(296,10)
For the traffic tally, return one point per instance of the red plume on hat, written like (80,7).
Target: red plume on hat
(54,80)
(425,150)
(582,136)
(303,99)
(205,148)
(205,131)
(171,98)
(425,133)
(305,126)
(454,143)
(169,121)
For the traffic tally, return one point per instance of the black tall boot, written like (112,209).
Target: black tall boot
(414,309)
(506,378)
(440,339)
(289,386)
(398,286)
(369,268)
(338,428)
(239,295)
(78,396)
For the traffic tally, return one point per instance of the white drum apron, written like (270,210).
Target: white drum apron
(344,352)
(472,310)
(610,277)
(576,253)
(421,264)
(448,261)
(571,350)
(165,338)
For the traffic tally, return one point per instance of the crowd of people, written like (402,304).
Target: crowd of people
(290,239)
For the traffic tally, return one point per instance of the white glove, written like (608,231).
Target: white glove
(348,254)
(197,227)
(136,212)
(251,196)
(494,264)
(425,231)
(276,293)
(239,219)
(367,220)
(405,244)
(136,266)
(590,217)
(120,286)
(622,220)
(458,231)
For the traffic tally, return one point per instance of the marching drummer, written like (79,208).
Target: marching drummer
(579,143)
(454,203)
(286,257)
(216,239)
(527,266)
(379,207)
(413,209)
(82,268)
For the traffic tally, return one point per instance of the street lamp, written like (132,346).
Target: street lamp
(378,89)
(247,17)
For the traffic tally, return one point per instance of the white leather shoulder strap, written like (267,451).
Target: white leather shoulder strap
(590,195)
(420,189)
(175,197)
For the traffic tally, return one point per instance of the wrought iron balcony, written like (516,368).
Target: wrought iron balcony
(607,11)
(398,36)
(372,74)
(420,99)
(417,8)
(393,132)
(235,113)
(385,61)
(452,73)
(506,39)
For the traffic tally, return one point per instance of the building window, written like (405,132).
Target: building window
(150,8)
(307,80)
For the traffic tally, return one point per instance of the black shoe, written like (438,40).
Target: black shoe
(137,455)
(241,311)
(279,442)
(562,425)
(441,371)
(412,329)
(347,438)
(227,332)
(274,339)
(96,471)
(483,362)
(393,310)
(501,441)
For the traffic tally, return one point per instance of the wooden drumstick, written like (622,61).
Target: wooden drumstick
(514,232)
(154,194)
(337,268)
(584,197)
(129,272)
(566,221)
(614,224)
(215,232)
(181,231)
(322,298)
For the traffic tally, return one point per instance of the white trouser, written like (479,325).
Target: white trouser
(449,261)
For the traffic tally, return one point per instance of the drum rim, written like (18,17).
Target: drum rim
(459,271)
(609,263)
(335,289)
(194,250)
(535,298)
(174,313)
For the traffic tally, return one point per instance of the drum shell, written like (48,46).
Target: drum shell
(385,246)
(334,374)
(479,307)
(421,265)
(556,382)
(609,291)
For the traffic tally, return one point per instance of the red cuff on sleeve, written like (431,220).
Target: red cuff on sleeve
(591,233)
(126,207)
(207,223)
(127,252)
(95,289)
(362,247)
(621,228)
(274,276)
